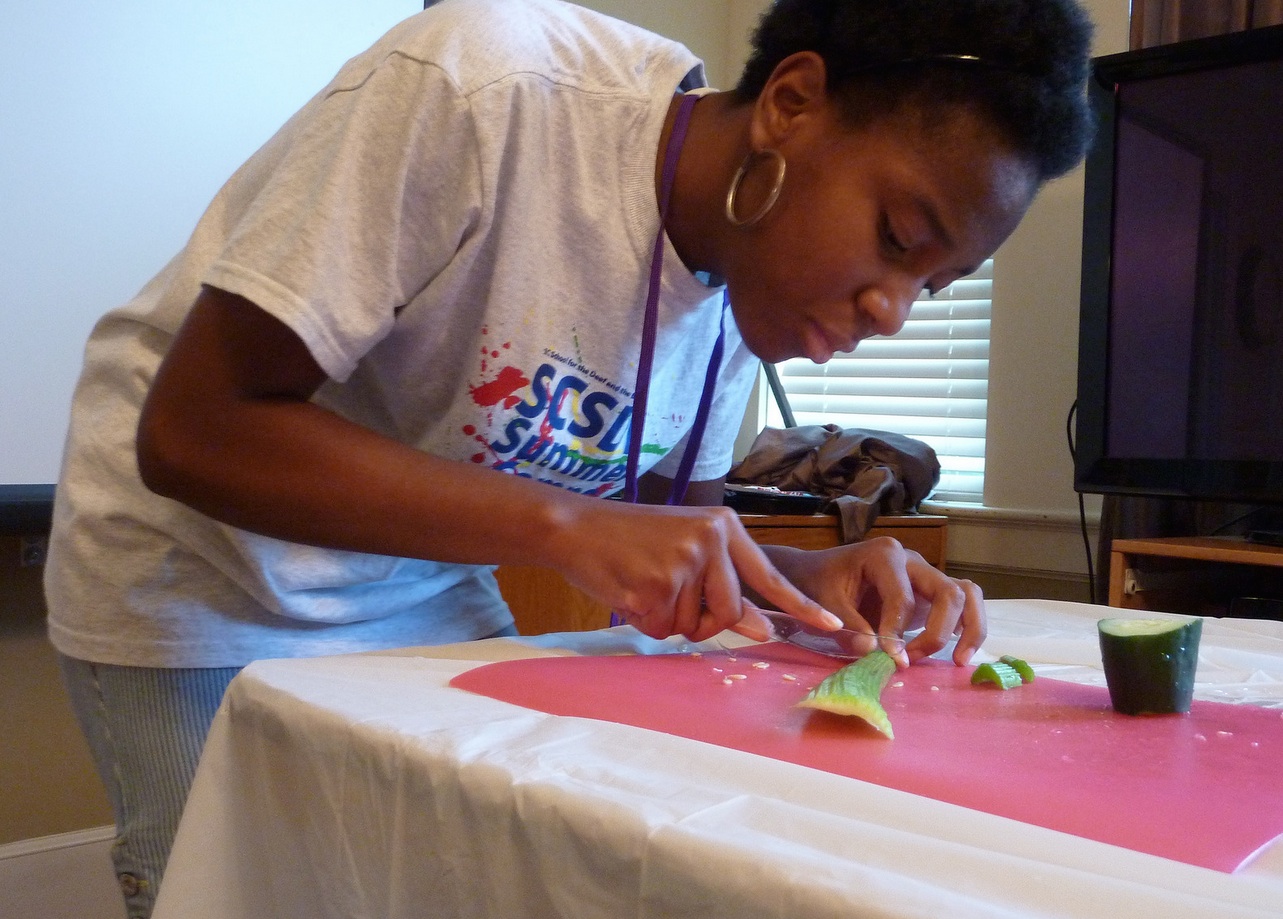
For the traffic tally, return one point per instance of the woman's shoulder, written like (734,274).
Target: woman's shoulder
(480,42)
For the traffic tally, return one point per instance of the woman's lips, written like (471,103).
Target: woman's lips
(820,344)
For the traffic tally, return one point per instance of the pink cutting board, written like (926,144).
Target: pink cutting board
(1204,788)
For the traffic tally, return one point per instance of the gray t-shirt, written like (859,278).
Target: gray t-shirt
(460,228)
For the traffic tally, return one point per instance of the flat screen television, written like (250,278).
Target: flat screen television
(1180,365)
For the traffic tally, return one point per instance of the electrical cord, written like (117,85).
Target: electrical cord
(1082,507)
(1230,524)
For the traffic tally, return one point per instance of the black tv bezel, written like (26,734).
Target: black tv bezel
(26,510)
(1095,472)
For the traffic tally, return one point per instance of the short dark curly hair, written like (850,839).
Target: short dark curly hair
(1022,64)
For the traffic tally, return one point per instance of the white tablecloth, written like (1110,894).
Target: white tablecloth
(364,786)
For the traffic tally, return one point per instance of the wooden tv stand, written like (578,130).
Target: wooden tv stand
(1193,572)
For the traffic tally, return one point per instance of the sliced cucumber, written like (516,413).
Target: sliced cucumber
(1002,675)
(1021,667)
(1150,663)
(856,690)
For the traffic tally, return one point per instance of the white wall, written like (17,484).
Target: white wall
(701,25)
(118,122)
(1031,510)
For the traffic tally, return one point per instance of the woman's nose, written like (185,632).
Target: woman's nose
(887,305)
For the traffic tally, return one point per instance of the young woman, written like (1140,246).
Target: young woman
(513,260)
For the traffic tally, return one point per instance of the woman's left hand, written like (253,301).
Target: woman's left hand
(881,586)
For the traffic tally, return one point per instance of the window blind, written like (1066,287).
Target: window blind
(929,381)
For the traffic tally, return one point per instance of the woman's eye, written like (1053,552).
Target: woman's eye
(890,240)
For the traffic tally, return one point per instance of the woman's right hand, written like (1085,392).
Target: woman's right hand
(676,570)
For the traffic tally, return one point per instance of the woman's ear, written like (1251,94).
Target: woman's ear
(796,91)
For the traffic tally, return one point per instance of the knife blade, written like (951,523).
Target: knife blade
(843,644)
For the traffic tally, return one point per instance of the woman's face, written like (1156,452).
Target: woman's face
(866,220)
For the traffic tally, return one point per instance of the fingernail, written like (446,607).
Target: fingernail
(828,620)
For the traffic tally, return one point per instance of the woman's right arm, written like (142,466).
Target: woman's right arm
(229,430)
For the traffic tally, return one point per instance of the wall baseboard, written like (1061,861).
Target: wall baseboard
(89,837)
(996,539)
(65,876)
(1018,584)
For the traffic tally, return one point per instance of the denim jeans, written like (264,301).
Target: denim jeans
(145,728)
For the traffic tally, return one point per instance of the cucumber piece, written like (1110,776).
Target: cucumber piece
(1004,676)
(1150,663)
(1021,667)
(856,690)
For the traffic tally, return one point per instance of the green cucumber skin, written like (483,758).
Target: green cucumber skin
(1151,674)
(1021,666)
(999,673)
(866,677)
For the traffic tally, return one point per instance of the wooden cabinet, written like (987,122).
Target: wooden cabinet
(542,601)
(1195,575)
(925,534)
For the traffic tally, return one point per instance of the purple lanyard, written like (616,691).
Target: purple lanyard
(649,327)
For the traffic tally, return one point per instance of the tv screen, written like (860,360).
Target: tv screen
(1180,378)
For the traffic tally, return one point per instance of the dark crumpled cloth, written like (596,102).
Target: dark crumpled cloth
(863,473)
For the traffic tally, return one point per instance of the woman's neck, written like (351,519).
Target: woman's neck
(716,141)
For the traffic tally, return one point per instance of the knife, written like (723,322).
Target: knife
(844,644)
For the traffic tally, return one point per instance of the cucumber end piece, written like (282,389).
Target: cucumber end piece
(1150,664)
(1127,628)
(871,712)
(856,690)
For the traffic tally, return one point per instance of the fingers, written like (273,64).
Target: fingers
(974,624)
(752,623)
(879,582)
(886,573)
(903,581)
(722,603)
(686,578)
(956,610)
(686,583)
(689,612)
(757,572)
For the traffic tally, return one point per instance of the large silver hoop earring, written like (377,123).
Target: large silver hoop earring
(780,166)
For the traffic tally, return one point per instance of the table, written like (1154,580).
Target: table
(365,786)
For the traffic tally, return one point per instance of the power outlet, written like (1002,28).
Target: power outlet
(32,550)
